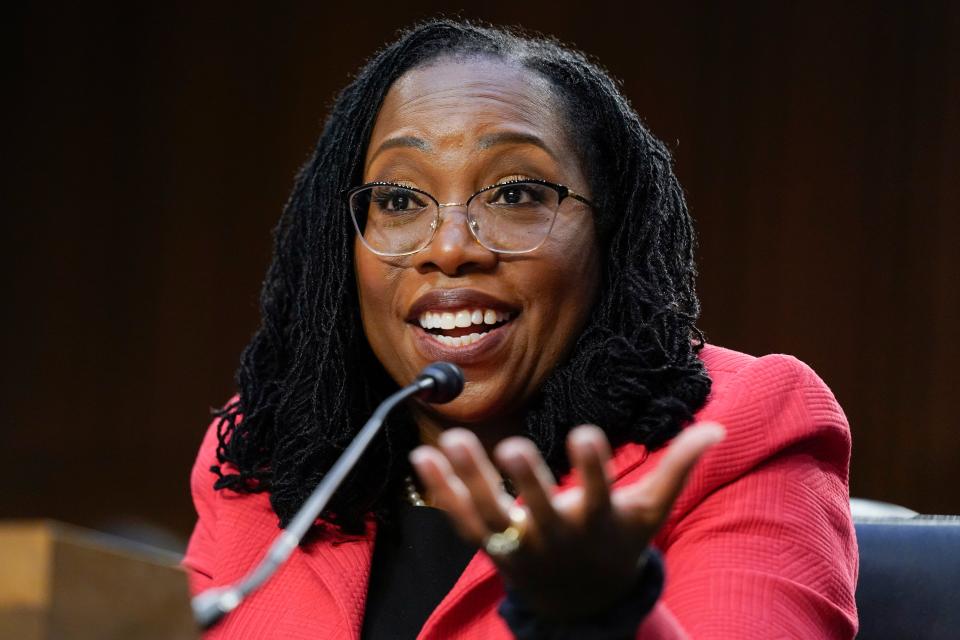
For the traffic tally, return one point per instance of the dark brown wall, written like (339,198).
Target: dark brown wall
(151,150)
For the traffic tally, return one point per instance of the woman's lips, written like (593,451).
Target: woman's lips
(470,350)
(463,326)
(455,299)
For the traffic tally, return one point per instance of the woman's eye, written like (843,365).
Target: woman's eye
(515,195)
(397,200)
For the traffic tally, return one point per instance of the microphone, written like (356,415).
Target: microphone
(447,382)
(438,383)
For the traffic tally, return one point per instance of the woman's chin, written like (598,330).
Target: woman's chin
(479,409)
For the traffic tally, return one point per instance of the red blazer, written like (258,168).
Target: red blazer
(760,543)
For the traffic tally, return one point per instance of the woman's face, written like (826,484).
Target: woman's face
(450,129)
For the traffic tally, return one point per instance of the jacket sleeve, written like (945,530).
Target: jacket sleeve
(198,560)
(761,543)
(619,621)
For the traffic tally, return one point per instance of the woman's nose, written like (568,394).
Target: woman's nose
(454,250)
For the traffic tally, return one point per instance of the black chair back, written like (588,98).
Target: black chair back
(909,584)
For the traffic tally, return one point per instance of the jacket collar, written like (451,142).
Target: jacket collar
(342,563)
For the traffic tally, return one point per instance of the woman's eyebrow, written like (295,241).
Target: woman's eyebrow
(485,142)
(400,141)
(512,137)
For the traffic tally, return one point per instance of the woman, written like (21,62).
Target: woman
(492,200)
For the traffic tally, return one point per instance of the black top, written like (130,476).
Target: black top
(415,564)
(417,561)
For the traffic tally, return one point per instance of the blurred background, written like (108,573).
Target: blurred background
(149,150)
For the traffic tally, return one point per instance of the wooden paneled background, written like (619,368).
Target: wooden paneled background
(148,151)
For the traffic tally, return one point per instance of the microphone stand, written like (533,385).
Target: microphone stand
(211,605)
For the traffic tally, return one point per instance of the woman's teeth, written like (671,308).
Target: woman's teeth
(458,341)
(456,321)
(463,318)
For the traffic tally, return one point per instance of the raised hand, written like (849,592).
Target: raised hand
(582,548)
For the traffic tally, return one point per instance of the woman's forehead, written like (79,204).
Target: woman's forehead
(461,103)
(449,95)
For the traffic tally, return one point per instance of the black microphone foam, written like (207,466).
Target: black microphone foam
(447,382)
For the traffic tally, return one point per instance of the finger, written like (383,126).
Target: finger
(532,478)
(447,492)
(589,451)
(470,462)
(659,489)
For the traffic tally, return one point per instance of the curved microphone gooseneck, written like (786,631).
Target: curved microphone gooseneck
(438,383)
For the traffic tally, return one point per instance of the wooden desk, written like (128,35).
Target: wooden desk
(60,581)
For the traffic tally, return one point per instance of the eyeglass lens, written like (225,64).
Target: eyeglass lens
(514,217)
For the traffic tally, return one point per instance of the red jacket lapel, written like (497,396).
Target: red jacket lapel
(343,566)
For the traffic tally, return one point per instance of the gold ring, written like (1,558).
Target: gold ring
(503,543)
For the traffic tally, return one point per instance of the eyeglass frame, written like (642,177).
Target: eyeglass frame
(563,192)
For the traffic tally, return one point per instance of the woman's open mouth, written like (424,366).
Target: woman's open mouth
(462,327)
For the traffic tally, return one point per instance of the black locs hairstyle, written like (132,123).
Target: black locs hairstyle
(308,380)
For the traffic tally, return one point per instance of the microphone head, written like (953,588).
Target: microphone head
(447,382)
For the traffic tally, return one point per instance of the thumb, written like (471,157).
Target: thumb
(659,489)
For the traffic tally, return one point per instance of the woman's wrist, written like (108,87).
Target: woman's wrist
(620,620)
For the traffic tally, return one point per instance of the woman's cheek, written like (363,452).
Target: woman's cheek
(376,287)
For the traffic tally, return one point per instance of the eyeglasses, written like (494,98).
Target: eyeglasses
(509,217)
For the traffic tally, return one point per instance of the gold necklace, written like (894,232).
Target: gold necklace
(413,496)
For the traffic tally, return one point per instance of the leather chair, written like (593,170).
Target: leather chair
(909,584)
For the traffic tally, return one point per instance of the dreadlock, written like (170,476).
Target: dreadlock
(308,379)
